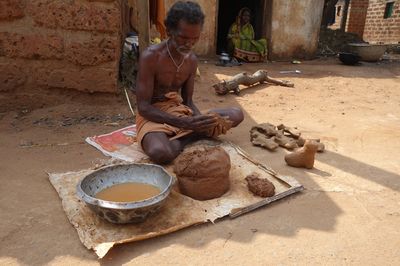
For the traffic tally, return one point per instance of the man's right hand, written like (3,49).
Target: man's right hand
(200,123)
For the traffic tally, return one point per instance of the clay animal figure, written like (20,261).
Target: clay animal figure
(293,132)
(285,141)
(259,139)
(303,157)
(321,146)
(266,128)
(260,76)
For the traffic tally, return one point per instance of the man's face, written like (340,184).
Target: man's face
(186,36)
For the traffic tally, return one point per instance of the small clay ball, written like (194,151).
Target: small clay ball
(260,186)
(203,172)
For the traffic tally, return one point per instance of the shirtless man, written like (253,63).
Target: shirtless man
(167,118)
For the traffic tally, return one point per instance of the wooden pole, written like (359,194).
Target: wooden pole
(144,24)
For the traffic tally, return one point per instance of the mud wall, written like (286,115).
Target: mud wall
(295,29)
(379,29)
(292,29)
(207,42)
(60,44)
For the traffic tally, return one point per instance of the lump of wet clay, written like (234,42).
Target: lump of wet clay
(303,157)
(260,186)
(203,172)
(259,139)
(222,126)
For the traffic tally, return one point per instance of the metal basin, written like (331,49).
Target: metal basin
(368,52)
(125,212)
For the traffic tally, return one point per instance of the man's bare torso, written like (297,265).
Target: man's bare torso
(167,78)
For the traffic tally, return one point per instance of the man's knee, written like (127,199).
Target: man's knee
(161,153)
(236,116)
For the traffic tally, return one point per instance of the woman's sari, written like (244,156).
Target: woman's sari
(241,37)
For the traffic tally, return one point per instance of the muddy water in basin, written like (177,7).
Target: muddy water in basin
(128,192)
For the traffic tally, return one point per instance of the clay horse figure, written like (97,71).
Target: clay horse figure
(303,157)
(260,76)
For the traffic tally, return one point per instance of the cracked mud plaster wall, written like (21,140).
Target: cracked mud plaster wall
(293,32)
(207,42)
(73,44)
(295,29)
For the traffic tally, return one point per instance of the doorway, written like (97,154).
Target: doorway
(227,12)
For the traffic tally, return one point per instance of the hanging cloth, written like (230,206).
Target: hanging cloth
(157,16)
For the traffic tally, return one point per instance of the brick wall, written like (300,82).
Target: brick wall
(71,44)
(357,15)
(381,30)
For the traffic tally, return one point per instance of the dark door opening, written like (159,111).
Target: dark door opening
(227,12)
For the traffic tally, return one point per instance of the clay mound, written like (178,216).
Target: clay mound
(260,186)
(203,172)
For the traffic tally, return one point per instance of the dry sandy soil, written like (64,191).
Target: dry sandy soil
(349,212)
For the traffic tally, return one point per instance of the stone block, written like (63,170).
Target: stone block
(73,15)
(11,9)
(94,52)
(33,46)
(11,77)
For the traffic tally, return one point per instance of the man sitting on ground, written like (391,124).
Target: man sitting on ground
(167,118)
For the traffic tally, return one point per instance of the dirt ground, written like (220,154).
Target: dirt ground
(349,212)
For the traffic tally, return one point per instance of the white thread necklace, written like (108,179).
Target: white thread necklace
(173,60)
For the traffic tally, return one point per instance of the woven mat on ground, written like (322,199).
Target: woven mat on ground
(179,211)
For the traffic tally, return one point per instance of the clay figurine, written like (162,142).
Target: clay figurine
(293,132)
(260,76)
(259,139)
(303,157)
(284,141)
(321,146)
(266,128)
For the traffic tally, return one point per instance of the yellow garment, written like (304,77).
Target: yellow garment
(241,40)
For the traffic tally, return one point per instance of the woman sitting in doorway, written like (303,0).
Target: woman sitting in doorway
(241,43)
